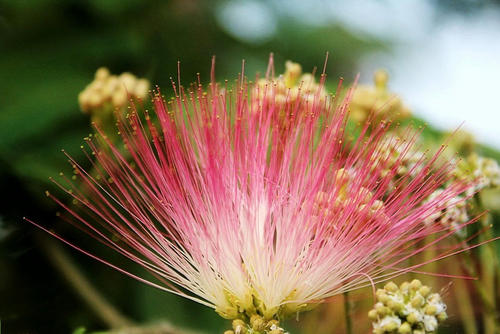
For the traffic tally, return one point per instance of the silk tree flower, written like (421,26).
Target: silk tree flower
(227,207)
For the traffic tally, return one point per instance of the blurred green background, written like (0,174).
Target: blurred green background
(49,51)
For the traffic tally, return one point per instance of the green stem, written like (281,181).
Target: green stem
(465,306)
(62,261)
(160,328)
(487,260)
(347,313)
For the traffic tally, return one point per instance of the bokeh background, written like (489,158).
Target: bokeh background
(442,57)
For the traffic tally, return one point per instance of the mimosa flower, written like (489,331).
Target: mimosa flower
(228,207)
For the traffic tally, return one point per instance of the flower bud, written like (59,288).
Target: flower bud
(373,315)
(417,301)
(424,291)
(405,328)
(239,326)
(391,287)
(430,310)
(416,284)
(257,322)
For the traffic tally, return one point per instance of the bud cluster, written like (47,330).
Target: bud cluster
(256,325)
(328,205)
(484,171)
(367,99)
(290,85)
(453,214)
(410,308)
(393,150)
(112,91)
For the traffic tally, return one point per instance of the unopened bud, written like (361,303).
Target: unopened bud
(415,284)
(391,286)
(405,328)
(417,301)
(424,291)
(239,326)
(257,322)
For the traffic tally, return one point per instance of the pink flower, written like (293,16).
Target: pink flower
(231,206)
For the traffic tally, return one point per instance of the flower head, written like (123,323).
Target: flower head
(228,207)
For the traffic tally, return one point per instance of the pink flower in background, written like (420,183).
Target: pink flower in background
(251,205)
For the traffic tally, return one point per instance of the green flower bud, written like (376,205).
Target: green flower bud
(272,323)
(415,284)
(391,287)
(417,301)
(395,306)
(442,316)
(425,290)
(430,310)
(390,326)
(373,315)
(412,317)
(405,328)
(382,310)
(257,322)
(239,326)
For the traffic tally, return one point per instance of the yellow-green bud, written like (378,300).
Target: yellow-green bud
(430,310)
(380,78)
(382,310)
(383,298)
(102,73)
(391,286)
(229,332)
(239,326)
(405,328)
(412,318)
(272,323)
(373,315)
(395,306)
(417,301)
(442,316)
(257,322)
(390,326)
(424,290)
(416,284)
